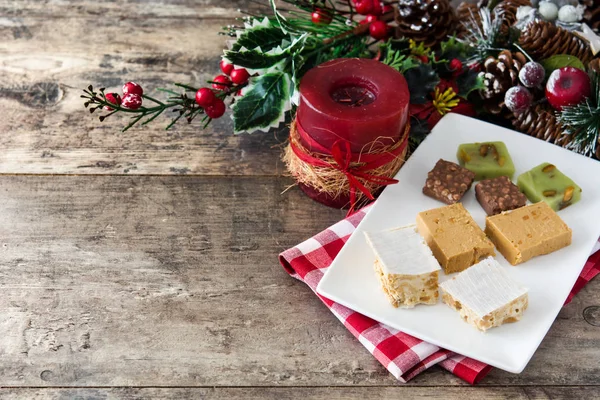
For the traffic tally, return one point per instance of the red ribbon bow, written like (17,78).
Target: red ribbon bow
(343,157)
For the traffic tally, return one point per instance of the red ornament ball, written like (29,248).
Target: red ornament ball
(239,76)
(364,7)
(221,82)
(112,98)
(225,67)
(518,99)
(205,97)
(532,74)
(321,17)
(132,88)
(132,101)
(369,18)
(216,110)
(567,86)
(378,30)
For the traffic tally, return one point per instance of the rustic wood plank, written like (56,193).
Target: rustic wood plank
(139,281)
(319,393)
(45,129)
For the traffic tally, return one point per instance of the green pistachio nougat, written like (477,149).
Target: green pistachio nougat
(487,160)
(546,183)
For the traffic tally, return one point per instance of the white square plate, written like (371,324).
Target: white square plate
(351,280)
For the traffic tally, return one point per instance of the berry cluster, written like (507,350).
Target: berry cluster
(373,10)
(131,99)
(519,98)
(214,106)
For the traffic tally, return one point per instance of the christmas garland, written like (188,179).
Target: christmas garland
(494,64)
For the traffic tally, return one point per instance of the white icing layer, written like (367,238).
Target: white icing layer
(402,251)
(484,287)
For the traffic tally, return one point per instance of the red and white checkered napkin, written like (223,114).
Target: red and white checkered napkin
(403,355)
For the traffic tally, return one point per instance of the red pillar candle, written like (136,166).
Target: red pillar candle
(359,100)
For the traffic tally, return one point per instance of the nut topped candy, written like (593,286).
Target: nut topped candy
(448,182)
(487,160)
(498,195)
(546,183)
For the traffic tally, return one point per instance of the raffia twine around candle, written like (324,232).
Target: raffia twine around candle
(331,180)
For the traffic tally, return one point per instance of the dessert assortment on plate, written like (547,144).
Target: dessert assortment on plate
(408,259)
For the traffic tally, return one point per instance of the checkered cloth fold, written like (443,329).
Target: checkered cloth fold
(403,355)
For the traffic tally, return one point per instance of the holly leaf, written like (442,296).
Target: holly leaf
(468,82)
(254,59)
(259,35)
(263,104)
(452,48)
(560,61)
(421,80)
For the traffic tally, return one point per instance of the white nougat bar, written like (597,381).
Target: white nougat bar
(405,266)
(485,296)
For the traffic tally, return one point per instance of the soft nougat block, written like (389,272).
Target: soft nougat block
(455,239)
(485,296)
(407,270)
(527,232)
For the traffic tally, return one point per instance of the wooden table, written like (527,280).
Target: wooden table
(144,263)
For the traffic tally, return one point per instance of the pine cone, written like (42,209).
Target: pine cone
(543,39)
(508,9)
(466,12)
(591,16)
(427,21)
(499,75)
(539,121)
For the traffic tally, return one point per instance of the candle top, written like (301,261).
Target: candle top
(357,83)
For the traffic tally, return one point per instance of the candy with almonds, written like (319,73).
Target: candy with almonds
(546,183)
(498,195)
(487,160)
(455,239)
(485,296)
(407,270)
(448,182)
(528,232)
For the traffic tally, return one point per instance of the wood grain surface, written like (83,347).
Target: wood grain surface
(144,264)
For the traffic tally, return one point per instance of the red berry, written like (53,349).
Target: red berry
(364,7)
(321,17)
(216,110)
(221,82)
(132,101)
(532,74)
(456,65)
(377,7)
(132,88)
(423,58)
(567,86)
(369,18)
(205,97)
(378,30)
(226,67)
(112,98)
(387,8)
(518,99)
(239,76)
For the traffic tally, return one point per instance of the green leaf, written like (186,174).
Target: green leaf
(254,59)
(468,82)
(400,62)
(560,61)
(263,36)
(422,80)
(452,48)
(263,104)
